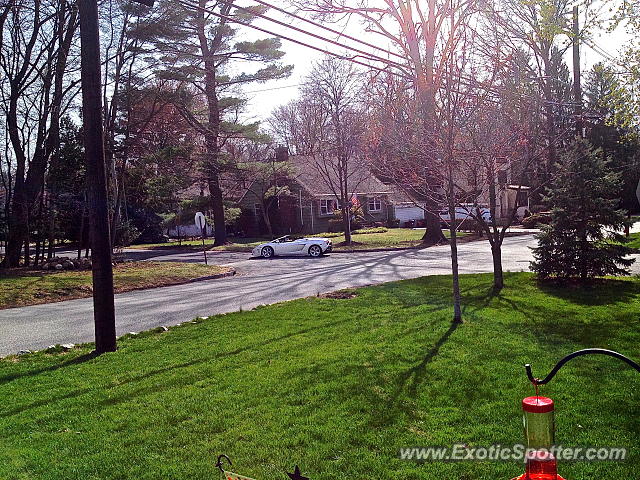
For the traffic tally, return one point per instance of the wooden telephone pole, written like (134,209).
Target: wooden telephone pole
(577,86)
(102,268)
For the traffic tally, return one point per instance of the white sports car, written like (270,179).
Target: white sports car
(288,245)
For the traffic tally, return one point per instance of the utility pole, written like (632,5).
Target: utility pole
(577,87)
(101,262)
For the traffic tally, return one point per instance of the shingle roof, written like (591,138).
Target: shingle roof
(320,179)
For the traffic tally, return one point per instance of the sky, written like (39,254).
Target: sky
(265,97)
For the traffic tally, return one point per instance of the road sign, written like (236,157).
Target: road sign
(200,220)
(638,192)
(201,223)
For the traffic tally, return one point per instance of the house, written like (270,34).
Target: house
(408,210)
(312,198)
(198,193)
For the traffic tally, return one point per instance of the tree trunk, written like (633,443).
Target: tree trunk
(433,234)
(219,227)
(457,310)
(27,251)
(17,223)
(498,276)
(36,259)
(52,229)
(81,234)
(346,223)
(267,220)
(213,128)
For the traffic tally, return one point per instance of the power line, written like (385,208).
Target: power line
(278,88)
(369,56)
(293,40)
(469,82)
(329,29)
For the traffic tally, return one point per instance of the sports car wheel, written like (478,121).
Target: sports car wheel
(266,252)
(315,251)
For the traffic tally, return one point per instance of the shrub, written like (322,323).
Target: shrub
(532,221)
(364,231)
(395,223)
(335,225)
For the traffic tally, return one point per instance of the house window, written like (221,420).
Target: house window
(257,209)
(327,206)
(375,204)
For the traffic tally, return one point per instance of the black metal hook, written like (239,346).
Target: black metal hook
(579,353)
(219,462)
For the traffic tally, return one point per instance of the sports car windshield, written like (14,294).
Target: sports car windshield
(286,238)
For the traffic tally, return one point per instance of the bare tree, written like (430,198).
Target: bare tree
(36,40)
(128,33)
(421,34)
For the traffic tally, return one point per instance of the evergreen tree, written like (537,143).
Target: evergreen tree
(613,127)
(581,241)
(206,54)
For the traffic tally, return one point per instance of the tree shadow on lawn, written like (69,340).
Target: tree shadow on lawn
(52,368)
(152,373)
(409,380)
(601,291)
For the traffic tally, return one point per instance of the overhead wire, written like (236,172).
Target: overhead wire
(462,80)
(329,29)
(293,40)
(367,55)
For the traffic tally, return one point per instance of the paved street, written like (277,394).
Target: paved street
(258,282)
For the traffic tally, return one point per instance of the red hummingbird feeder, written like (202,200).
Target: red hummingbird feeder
(539,430)
(539,423)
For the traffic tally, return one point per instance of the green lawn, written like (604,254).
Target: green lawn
(336,386)
(634,241)
(391,238)
(21,287)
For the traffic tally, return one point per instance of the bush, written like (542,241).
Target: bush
(395,223)
(126,234)
(537,219)
(538,208)
(364,231)
(335,226)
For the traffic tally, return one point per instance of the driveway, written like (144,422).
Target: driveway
(258,282)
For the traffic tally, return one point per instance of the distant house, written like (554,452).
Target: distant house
(312,200)
(199,190)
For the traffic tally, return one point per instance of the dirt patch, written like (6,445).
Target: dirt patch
(345,244)
(340,295)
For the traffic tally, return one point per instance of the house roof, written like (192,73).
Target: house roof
(320,178)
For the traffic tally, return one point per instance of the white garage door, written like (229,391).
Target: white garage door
(409,212)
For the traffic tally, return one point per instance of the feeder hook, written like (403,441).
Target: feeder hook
(579,353)
(219,462)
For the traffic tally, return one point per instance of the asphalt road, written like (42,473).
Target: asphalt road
(258,282)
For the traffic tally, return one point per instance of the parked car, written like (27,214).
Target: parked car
(289,245)
(464,212)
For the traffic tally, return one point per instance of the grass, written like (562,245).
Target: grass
(334,385)
(29,287)
(363,239)
(392,238)
(633,241)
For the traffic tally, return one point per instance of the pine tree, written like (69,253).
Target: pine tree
(204,52)
(582,242)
